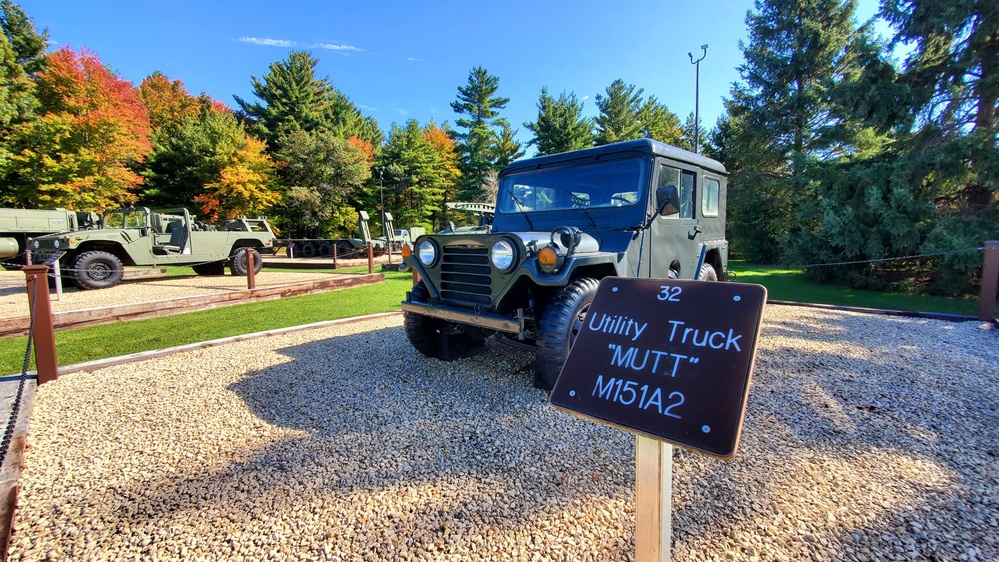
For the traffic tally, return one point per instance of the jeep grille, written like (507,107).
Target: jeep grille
(465,275)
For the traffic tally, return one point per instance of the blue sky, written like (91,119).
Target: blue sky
(402,60)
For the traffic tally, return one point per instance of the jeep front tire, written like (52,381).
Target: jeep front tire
(432,337)
(96,270)
(560,323)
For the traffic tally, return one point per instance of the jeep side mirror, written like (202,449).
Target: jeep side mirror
(667,200)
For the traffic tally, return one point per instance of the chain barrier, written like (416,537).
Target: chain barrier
(900,258)
(15,409)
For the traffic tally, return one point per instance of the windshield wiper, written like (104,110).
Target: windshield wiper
(520,205)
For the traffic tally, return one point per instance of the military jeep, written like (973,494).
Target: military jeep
(94,259)
(563,222)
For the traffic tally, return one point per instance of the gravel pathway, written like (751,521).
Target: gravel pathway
(866,438)
(14,300)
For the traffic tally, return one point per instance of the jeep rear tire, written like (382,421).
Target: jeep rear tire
(708,272)
(429,335)
(214,268)
(560,323)
(96,270)
(238,261)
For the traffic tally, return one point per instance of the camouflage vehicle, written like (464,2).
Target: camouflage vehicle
(563,222)
(94,259)
(17,225)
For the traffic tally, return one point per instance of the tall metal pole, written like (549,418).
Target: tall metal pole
(697,96)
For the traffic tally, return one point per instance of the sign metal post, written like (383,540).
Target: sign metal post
(671,361)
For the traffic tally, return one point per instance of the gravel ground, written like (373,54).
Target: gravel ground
(866,438)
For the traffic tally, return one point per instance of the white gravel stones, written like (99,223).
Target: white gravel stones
(14,300)
(866,438)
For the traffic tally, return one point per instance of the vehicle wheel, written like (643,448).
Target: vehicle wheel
(429,337)
(308,250)
(210,269)
(708,272)
(96,270)
(237,263)
(326,250)
(344,249)
(559,325)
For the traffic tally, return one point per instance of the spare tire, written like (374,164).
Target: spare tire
(238,262)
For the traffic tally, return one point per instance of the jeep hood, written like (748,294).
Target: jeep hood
(587,243)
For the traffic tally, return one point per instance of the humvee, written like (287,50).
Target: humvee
(562,222)
(137,236)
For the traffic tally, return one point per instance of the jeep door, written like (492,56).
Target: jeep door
(675,242)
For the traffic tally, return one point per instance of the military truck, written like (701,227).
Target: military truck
(17,225)
(562,222)
(95,259)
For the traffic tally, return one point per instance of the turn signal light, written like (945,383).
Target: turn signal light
(406,251)
(548,259)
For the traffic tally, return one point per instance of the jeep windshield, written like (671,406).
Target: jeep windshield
(615,183)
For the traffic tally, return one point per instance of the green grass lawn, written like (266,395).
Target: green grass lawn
(122,338)
(789,285)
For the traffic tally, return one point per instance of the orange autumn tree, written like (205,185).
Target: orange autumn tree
(168,103)
(92,131)
(245,185)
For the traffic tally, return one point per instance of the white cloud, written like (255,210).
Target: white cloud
(337,47)
(367,108)
(267,41)
(414,59)
(584,98)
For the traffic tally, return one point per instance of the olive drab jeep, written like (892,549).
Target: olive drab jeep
(94,259)
(562,222)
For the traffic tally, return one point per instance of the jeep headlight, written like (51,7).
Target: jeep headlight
(427,252)
(35,244)
(55,243)
(503,255)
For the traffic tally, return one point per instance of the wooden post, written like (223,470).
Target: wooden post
(990,279)
(251,274)
(653,500)
(371,257)
(335,246)
(44,334)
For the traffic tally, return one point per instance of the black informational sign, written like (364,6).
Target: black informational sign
(666,358)
(54,258)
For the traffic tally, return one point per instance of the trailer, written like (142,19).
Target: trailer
(18,225)
(345,248)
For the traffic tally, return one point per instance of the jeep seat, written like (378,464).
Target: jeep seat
(178,238)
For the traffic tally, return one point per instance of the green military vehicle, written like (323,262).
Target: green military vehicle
(94,259)
(18,225)
(562,222)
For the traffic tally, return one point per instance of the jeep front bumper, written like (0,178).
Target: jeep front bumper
(463,316)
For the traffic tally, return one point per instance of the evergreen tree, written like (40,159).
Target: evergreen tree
(781,119)
(189,156)
(619,113)
(478,103)
(560,126)
(27,43)
(505,149)
(291,98)
(659,123)
(687,141)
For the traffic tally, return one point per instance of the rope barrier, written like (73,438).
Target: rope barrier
(8,434)
(900,258)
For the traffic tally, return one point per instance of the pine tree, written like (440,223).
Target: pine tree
(478,103)
(659,123)
(560,126)
(619,114)
(781,119)
(27,43)
(291,98)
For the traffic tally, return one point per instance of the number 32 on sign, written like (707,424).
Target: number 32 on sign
(667,359)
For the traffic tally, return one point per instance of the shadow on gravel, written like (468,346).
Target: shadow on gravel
(380,419)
